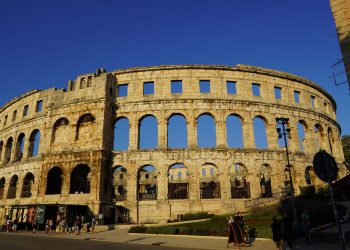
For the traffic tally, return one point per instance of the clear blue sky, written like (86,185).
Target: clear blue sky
(43,44)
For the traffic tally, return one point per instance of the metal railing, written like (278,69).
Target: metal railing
(255,202)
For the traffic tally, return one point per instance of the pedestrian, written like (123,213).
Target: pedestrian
(241,222)
(93,223)
(276,233)
(34,224)
(14,226)
(287,232)
(305,222)
(8,224)
(230,219)
(50,225)
(47,226)
(77,225)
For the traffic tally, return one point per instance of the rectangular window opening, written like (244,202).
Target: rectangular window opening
(176,86)
(39,106)
(312,98)
(296,96)
(256,89)
(231,87)
(148,88)
(278,93)
(25,110)
(14,115)
(122,90)
(5,120)
(204,86)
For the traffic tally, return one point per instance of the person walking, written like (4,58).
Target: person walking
(276,233)
(77,225)
(34,224)
(305,222)
(14,226)
(93,223)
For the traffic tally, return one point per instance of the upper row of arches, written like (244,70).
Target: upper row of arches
(236,130)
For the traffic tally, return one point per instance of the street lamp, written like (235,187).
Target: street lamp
(284,133)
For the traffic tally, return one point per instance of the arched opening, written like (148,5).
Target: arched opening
(11,193)
(265,181)
(60,130)
(260,137)
(121,134)
(20,147)
(1,148)
(120,183)
(240,188)
(178,176)
(148,132)
(301,135)
(234,131)
(27,185)
(8,150)
(210,184)
(177,131)
(54,181)
(34,141)
(309,175)
(85,128)
(318,131)
(330,139)
(147,183)
(206,131)
(80,180)
(2,187)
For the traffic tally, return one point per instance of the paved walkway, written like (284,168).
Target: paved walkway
(178,241)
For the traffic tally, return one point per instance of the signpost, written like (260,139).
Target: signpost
(326,169)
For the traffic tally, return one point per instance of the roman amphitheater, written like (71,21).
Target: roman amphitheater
(150,144)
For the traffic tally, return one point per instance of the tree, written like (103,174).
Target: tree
(346,147)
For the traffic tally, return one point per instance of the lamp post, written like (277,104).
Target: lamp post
(284,133)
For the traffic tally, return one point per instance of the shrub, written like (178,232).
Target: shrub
(196,216)
(138,229)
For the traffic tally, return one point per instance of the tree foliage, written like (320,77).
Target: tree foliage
(346,147)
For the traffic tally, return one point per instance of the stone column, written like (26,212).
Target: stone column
(248,133)
(272,136)
(193,182)
(19,187)
(133,133)
(162,133)
(192,132)
(293,142)
(221,137)
(65,189)
(162,185)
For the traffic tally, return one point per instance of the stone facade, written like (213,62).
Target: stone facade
(75,162)
(341,14)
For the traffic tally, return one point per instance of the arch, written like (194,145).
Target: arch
(19,147)
(302,128)
(206,131)
(85,128)
(34,141)
(148,132)
(210,184)
(8,150)
(178,182)
(234,131)
(177,131)
(60,130)
(80,180)
(2,187)
(1,148)
(27,185)
(260,136)
(240,188)
(330,138)
(54,181)
(11,193)
(147,183)
(318,135)
(265,180)
(309,175)
(120,183)
(121,134)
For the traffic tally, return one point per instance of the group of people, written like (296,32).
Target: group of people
(65,225)
(282,231)
(238,229)
(10,226)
